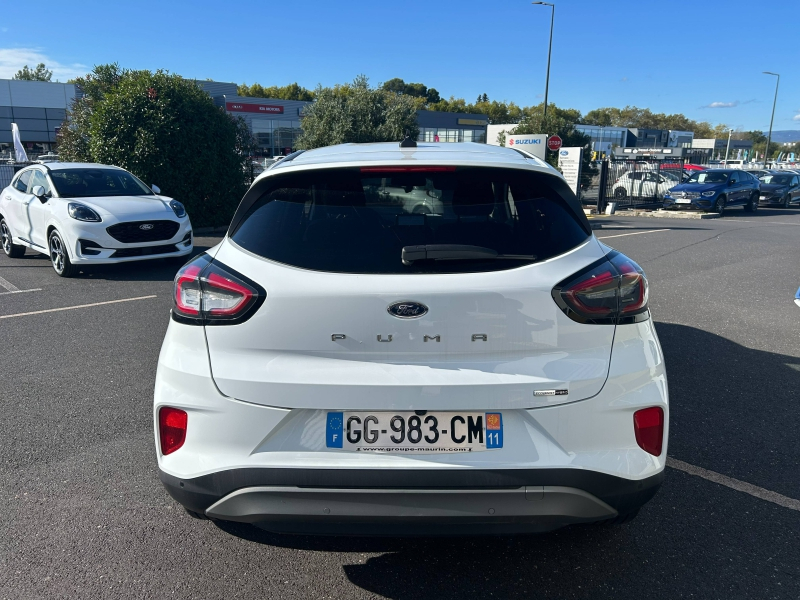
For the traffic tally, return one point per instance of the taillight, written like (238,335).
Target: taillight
(171,428)
(209,293)
(610,291)
(648,425)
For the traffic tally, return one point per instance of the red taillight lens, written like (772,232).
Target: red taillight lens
(187,290)
(171,428)
(612,290)
(633,289)
(648,424)
(223,296)
(209,293)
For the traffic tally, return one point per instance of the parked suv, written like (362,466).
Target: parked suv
(715,190)
(82,214)
(644,184)
(780,189)
(342,363)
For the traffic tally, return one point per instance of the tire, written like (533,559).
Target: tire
(752,204)
(620,193)
(719,206)
(59,257)
(787,201)
(11,249)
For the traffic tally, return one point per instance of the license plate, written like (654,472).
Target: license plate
(409,432)
(683,201)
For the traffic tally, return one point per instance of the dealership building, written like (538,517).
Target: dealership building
(38,108)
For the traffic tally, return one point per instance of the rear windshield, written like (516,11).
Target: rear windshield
(398,221)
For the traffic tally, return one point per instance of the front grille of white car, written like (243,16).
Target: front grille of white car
(136,232)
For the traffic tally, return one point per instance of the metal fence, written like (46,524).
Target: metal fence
(637,183)
(7,172)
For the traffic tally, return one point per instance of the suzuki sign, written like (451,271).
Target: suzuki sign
(533,143)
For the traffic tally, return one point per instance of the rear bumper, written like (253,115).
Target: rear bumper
(430,501)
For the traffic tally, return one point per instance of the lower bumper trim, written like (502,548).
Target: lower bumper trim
(216,493)
(544,505)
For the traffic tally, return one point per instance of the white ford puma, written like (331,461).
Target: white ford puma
(340,363)
(89,214)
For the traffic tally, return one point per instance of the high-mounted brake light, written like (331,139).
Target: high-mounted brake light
(414,169)
(171,428)
(610,291)
(648,425)
(209,293)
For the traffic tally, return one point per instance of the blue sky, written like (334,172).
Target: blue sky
(701,58)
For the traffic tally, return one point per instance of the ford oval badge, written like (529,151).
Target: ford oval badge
(407,309)
(146,227)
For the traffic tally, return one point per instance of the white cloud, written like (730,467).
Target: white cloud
(13,59)
(796,117)
(722,104)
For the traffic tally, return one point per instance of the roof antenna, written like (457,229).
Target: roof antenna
(408,142)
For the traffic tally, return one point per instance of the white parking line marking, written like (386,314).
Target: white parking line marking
(21,291)
(49,310)
(7,284)
(605,237)
(735,484)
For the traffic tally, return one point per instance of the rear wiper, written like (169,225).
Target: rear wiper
(411,254)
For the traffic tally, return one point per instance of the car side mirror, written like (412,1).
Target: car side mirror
(38,191)
(155,188)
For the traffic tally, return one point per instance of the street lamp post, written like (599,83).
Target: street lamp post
(772,118)
(728,147)
(549,52)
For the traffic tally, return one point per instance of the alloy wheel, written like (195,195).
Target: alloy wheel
(6,237)
(57,253)
(720,206)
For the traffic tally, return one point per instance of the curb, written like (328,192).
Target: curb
(664,214)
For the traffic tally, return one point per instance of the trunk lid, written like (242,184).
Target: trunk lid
(494,339)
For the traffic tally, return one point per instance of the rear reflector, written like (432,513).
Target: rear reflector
(648,424)
(171,428)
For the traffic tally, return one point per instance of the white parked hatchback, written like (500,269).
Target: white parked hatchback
(80,213)
(342,364)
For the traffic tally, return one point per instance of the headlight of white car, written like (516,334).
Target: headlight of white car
(178,209)
(81,212)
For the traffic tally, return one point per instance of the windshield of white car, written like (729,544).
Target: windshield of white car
(90,183)
(706,177)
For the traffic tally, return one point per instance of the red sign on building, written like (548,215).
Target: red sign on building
(254,108)
(554,142)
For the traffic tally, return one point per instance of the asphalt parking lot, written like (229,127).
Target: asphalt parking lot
(84,514)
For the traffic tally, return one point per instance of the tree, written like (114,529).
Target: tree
(355,112)
(644,118)
(165,130)
(293,91)
(40,73)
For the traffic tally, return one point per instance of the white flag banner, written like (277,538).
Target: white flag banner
(18,147)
